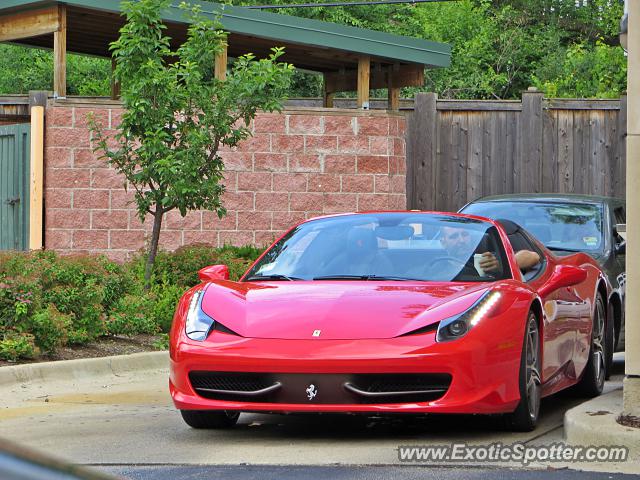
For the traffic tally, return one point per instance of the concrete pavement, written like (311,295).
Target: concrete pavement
(117,411)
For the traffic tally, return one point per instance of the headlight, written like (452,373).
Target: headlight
(198,323)
(456,327)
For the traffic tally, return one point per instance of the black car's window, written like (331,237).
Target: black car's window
(620,218)
(571,226)
(397,246)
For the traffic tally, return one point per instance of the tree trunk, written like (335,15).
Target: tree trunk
(153,247)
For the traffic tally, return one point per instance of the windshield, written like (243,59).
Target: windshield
(570,226)
(393,246)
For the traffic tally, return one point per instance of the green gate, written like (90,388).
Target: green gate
(14,186)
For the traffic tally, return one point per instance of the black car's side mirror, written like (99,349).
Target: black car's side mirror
(621,248)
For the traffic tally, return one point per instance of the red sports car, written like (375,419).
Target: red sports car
(390,312)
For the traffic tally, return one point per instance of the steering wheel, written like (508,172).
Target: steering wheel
(436,270)
(449,259)
(456,262)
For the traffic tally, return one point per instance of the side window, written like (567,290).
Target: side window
(520,241)
(619,217)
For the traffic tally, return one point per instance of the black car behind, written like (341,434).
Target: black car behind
(568,223)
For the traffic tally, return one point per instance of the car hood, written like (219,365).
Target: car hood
(337,309)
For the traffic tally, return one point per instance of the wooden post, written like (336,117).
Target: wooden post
(364,74)
(393,93)
(37,101)
(115,85)
(422,181)
(221,64)
(60,55)
(528,172)
(327,95)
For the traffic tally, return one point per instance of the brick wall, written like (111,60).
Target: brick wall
(297,165)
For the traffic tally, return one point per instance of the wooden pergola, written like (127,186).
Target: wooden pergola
(351,59)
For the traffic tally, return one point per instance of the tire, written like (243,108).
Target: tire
(592,381)
(525,417)
(609,341)
(210,418)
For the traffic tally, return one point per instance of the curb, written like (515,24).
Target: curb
(83,367)
(594,423)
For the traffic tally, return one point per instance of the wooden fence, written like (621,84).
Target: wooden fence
(458,151)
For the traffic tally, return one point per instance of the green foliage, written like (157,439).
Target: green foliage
(162,343)
(32,69)
(132,315)
(177,114)
(165,298)
(48,301)
(181,266)
(50,328)
(17,345)
(500,48)
(585,72)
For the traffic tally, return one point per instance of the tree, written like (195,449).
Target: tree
(177,115)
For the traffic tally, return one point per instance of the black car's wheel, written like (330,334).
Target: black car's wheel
(210,418)
(592,380)
(525,417)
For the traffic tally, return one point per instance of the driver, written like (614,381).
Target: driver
(457,242)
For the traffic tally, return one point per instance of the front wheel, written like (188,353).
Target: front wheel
(592,381)
(525,417)
(210,418)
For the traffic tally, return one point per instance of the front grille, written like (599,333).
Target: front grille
(295,388)
(229,381)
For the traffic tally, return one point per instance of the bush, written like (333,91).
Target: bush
(181,266)
(132,315)
(17,345)
(48,301)
(165,299)
(50,328)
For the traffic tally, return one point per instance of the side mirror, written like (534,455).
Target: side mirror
(214,272)
(621,248)
(564,276)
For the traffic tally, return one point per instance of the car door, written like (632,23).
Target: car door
(563,309)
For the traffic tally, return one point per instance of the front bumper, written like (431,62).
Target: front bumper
(483,371)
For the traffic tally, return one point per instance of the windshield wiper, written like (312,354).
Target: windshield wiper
(275,276)
(363,277)
(563,249)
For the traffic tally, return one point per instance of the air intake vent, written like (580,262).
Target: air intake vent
(292,388)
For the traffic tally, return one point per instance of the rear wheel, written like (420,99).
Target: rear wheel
(592,380)
(210,418)
(525,417)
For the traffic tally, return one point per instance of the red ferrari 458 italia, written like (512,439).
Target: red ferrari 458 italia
(391,312)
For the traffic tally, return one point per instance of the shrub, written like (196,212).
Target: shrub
(48,300)
(50,328)
(162,343)
(132,315)
(165,299)
(181,266)
(17,345)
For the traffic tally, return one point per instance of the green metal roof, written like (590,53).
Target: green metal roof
(335,40)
